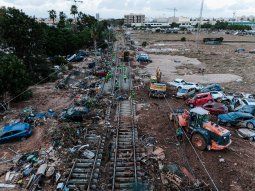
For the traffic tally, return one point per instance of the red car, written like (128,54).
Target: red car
(200,99)
(215,108)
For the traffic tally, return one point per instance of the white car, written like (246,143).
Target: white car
(185,92)
(239,103)
(217,95)
(180,83)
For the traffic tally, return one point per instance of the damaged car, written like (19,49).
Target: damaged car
(74,114)
(15,131)
(237,119)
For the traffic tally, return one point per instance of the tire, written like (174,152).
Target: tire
(191,105)
(199,142)
(250,125)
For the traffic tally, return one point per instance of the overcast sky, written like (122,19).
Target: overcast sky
(151,8)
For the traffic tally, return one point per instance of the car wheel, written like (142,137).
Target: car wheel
(199,142)
(250,126)
(191,105)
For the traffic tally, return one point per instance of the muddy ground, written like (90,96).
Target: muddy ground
(235,174)
(216,59)
(235,71)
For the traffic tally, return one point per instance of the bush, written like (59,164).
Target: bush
(144,44)
(70,66)
(25,96)
(183,39)
(59,60)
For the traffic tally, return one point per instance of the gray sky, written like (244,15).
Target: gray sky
(151,8)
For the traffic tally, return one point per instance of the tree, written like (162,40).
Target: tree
(85,21)
(74,11)
(26,38)
(52,15)
(62,20)
(14,78)
(174,25)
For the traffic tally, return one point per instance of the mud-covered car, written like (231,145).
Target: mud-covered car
(212,87)
(237,119)
(74,114)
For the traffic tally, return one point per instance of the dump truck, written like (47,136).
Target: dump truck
(203,133)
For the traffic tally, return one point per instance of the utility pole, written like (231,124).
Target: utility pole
(234,17)
(199,23)
(174,10)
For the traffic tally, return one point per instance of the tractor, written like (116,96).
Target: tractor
(203,133)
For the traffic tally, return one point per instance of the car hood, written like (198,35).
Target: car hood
(225,117)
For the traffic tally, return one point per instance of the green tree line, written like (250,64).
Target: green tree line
(219,25)
(25,44)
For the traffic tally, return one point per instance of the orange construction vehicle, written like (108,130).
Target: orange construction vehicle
(203,133)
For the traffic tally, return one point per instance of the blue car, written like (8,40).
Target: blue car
(143,58)
(238,119)
(15,131)
(248,109)
(212,87)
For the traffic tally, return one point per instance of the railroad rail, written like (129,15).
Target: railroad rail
(125,156)
(84,174)
(85,171)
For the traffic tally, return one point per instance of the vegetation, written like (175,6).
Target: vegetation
(144,44)
(225,26)
(27,44)
(183,39)
(53,15)
(13,75)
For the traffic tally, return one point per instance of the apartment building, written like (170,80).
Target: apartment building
(134,18)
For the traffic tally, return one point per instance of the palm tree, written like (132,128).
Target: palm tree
(62,15)
(62,19)
(74,11)
(53,15)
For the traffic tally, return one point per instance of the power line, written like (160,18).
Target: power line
(199,158)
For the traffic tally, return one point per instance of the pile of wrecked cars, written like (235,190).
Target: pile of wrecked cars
(230,110)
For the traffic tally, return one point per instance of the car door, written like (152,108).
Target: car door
(18,134)
(239,121)
(203,100)
(6,136)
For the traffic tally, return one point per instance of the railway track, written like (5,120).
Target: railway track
(85,171)
(125,156)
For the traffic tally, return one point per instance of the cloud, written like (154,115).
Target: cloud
(152,8)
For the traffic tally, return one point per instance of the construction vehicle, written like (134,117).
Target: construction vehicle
(157,88)
(203,133)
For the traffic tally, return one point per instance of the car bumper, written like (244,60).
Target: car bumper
(215,146)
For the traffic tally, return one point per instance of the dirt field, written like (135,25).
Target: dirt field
(235,71)
(216,59)
(236,173)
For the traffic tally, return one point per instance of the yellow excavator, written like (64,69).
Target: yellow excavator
(157,88)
